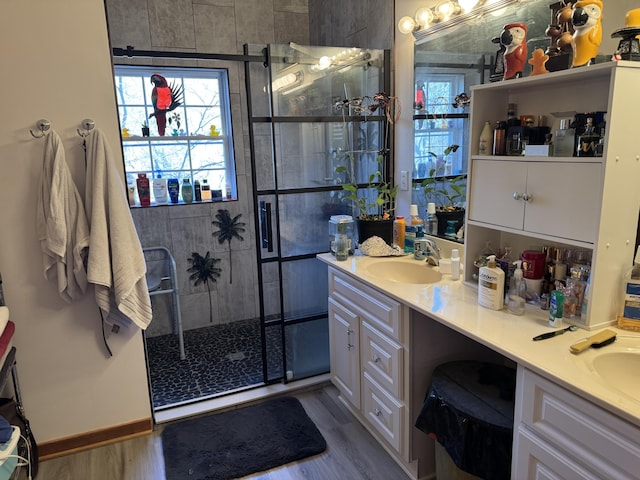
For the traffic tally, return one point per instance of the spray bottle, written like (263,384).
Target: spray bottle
(516,297)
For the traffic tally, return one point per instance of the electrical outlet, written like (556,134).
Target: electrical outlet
(404,180)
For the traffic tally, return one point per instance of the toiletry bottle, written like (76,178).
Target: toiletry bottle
(399,225)
(491,285)
(131,190)
(160,190)
(197,193)
(512,117)
(431,222)
(631,293)
(205,191)
(144,194)
(411,228)
(228,192)
(588,140)
(564,139)
(556,307)
(455,264)
(500,138)
(485,145)
(516,296)
(187,191)
(173,186)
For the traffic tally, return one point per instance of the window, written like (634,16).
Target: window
(440,129)
(198,141)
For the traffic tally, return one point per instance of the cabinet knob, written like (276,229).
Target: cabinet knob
(376,360)
(377,412)
(349,346)
(526,197)
(349,331)
(517,196)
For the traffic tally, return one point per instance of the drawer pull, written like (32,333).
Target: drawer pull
(527,198)
(349,346)
(376,360)
(377,412)
(349,331)
(517,196)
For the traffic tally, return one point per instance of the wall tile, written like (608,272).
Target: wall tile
(172,24)
(254,22)
(293,6)
(129,23)
(215,29)
(291,27)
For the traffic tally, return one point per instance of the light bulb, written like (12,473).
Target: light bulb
(406,25)
(324,62)
(446,10)
(467,5)
(424,16)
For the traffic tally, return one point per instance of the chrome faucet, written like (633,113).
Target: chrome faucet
(433,252)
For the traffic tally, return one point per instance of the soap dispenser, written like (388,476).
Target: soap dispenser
(516,297)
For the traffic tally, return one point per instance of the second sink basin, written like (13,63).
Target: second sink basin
(620,370)
(404,272)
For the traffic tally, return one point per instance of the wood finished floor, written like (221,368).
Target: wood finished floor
(351,454)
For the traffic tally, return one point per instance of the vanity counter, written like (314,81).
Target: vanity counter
(454,304)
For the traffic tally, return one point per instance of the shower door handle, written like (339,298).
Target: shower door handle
(266,229)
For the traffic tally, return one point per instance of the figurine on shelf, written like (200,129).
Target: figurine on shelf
(537,61)
(629,46)
(587,35)
(213,131)
(514,39)
(125,133)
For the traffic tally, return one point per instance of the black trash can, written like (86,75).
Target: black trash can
(469,411)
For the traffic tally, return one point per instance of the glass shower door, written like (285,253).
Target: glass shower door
(298,138)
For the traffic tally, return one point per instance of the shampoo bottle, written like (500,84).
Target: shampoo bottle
(491,285)
(160,190)
(516,296)
(144,194)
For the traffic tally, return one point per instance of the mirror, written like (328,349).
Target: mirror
(446,64)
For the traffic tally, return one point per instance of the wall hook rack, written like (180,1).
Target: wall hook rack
(87,126)
(43,125)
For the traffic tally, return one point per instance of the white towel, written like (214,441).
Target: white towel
(116,263)
(4,319)
(61,223)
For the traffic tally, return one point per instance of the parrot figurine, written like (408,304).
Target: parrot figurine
(165,98)
(587,34)
(514,39)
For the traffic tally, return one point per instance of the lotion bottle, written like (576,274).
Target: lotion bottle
(491,285)
(160,190)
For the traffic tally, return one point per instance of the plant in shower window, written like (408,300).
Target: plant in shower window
(230,228)
(174,118)
(204,270)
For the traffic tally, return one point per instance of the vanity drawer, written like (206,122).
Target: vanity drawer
(383,412)
(382,358)
(602,441)
(378,309)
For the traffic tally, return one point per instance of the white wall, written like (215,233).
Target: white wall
(56,65)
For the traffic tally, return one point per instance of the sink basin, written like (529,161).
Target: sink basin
(404,272)
(620,370)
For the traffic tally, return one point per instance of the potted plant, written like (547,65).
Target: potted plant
(448,192)
(145,129)
(375,207)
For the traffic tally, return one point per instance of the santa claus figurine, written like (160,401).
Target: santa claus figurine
(514,40)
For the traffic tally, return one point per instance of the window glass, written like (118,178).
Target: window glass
(197,143)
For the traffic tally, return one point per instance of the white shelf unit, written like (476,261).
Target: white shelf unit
(585,202)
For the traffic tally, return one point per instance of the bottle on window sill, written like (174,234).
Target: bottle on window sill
(187,191)
(205,191)
(144,194)
(197,193)
(174,189)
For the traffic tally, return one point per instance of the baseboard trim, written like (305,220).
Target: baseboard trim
(96,438)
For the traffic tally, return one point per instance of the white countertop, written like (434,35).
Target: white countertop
(454,304)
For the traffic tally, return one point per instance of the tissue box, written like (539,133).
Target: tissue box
(538,150)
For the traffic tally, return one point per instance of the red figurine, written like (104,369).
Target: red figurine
(514,39)
(165,98)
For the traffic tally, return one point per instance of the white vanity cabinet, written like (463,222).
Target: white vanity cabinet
(586,202)
(536,197)
(559,435)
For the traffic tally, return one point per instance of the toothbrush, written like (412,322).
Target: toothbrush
(571,328)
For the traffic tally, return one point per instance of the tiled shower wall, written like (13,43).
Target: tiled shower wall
(224,26)
(207,26)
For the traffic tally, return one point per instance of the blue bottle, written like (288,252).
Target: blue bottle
(174,189)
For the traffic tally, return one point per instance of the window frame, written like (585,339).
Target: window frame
(224,173)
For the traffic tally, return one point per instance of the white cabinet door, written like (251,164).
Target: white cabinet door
(560,199)
(344,334)
(563,199)
(491,199)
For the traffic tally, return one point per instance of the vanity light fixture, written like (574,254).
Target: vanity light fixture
(447,13)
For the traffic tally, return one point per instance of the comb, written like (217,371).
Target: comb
(598,340)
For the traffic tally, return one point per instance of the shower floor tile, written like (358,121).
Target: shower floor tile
(219,359)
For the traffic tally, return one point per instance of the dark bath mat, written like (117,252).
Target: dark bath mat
(240,442)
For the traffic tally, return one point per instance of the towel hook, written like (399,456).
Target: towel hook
(44,125)
(87,125)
